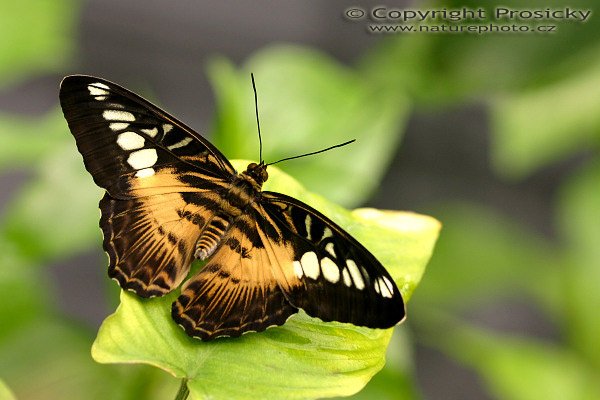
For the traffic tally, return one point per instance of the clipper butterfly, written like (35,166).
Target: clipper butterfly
(171,197)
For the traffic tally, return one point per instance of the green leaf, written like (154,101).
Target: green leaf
(521,368)
(484,254)
(23,142)
(305,358)
(24,296)
(541,126)
(579,213)
(50,360)
(307,102)
(63,370)
(396,380)
(56,214)
(37,36)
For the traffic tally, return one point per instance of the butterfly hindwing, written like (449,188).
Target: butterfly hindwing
(325,271)
(150,240)
(235,292)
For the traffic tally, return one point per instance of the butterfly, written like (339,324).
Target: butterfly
(172,197)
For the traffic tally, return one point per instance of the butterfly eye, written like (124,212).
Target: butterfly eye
(252,166)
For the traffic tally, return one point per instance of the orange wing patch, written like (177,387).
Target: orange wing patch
(234,293)
(150,241)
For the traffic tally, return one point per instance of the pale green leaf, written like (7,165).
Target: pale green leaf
(396,380)
(5,392)
(305,358)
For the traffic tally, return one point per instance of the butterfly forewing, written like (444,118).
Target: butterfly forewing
(328,273)
(151,166)
(125,139)
(172,197)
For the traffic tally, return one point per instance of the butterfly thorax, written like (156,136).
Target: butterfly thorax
(256,175)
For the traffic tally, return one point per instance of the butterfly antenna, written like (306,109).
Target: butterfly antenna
(257,120)
(314,152)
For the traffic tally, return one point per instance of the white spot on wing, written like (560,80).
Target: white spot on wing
(167,127)
(346,277)
(307,222)
(356,276)
(385,291)
(98,89)
(117,115)
(330,249)
(326,233)
(298,269)
(310,264)
(182,143)
(130,141)
(144,173)
(118,126)
(142,158)
(388,284)
(376,284)
(331,272)
(150,132)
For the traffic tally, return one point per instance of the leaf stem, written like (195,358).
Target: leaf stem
(183,391)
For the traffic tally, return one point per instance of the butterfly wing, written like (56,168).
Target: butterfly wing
(313,264)
(235,292)
(325,271)
(121,137)
(162,180)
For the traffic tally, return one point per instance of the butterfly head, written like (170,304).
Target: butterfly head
(257,173)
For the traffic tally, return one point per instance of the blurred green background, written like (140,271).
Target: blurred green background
(495,135)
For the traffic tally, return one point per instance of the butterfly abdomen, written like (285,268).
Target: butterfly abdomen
(211,237)
(233,203)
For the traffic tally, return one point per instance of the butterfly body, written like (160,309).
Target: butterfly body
(172,197)
(238,198)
